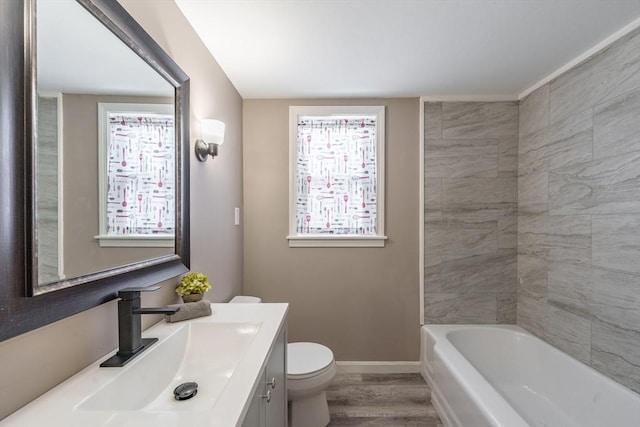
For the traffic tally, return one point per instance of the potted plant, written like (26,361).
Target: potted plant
(192,286)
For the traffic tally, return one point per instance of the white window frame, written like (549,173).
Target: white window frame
(132,240)
(297,240)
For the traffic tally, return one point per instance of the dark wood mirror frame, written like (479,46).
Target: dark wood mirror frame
(20,311)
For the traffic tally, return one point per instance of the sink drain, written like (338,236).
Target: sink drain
(185,391)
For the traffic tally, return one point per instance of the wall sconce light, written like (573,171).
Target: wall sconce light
(212,138)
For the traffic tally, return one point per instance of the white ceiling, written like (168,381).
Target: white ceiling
(397,48)
(77,54)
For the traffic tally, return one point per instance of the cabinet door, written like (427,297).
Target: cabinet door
(255,414)
(276,382)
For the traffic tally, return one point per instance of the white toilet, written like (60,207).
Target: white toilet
(310,369)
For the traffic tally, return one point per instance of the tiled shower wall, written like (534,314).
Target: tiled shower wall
(47,183)
(576,151)
(470,228)
(579,212)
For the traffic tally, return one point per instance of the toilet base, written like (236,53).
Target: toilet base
(312,411)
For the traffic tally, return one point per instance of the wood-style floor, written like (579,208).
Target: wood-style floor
(389,400)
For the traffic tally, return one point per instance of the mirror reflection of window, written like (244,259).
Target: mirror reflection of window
(137,174)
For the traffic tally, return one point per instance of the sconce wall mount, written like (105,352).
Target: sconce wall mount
(212,138)
(203,150)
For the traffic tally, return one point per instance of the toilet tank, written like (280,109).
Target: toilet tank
(243,299)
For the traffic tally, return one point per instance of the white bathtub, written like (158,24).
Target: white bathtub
(502,376)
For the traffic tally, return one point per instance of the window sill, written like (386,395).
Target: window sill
(142,241)
(323,241)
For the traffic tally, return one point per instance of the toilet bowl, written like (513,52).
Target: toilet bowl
(310,369)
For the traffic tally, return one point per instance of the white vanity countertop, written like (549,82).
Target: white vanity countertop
(65,405)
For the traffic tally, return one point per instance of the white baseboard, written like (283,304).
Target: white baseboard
(346,367)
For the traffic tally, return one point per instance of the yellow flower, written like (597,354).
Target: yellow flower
(193,283)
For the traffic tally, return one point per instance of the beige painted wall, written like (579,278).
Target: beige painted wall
(35,362)
(361,302)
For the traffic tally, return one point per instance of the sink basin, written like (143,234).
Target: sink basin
(207,353)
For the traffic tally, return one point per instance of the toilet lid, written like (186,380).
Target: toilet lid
(304,358)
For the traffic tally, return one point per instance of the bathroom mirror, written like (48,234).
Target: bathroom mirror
(104,176)
(27,301)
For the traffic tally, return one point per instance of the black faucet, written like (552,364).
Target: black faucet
(130,338)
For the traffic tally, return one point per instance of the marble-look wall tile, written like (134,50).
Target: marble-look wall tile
(47,182)
(507,308)
(454,237)
(604,76)
(532,314)
(556,238)
(532,151)
(570,141)
(493,272)
(569,332)
(616,126)
(479,119)
(461,158)
(432,277)
(597,293)
(603,186)
(478,308)
(432,198)
(532,277)
(445,308)
(614,298)
(508,231)
(578,212)
(433,120)
(507,157)
(534,111)
(616,353)
(471,162)
(485,216)
(569,287)
(441,308)
(566,143)
(616,242)
(533,193)
(479,193)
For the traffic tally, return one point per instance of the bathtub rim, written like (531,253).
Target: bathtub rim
(482,393)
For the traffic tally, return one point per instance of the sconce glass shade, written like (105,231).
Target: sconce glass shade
(212,131)
(212,138)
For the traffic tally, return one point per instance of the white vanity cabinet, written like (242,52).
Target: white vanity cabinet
(268,407)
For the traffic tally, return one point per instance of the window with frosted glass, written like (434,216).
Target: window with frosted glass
(140,174)
(337,167)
